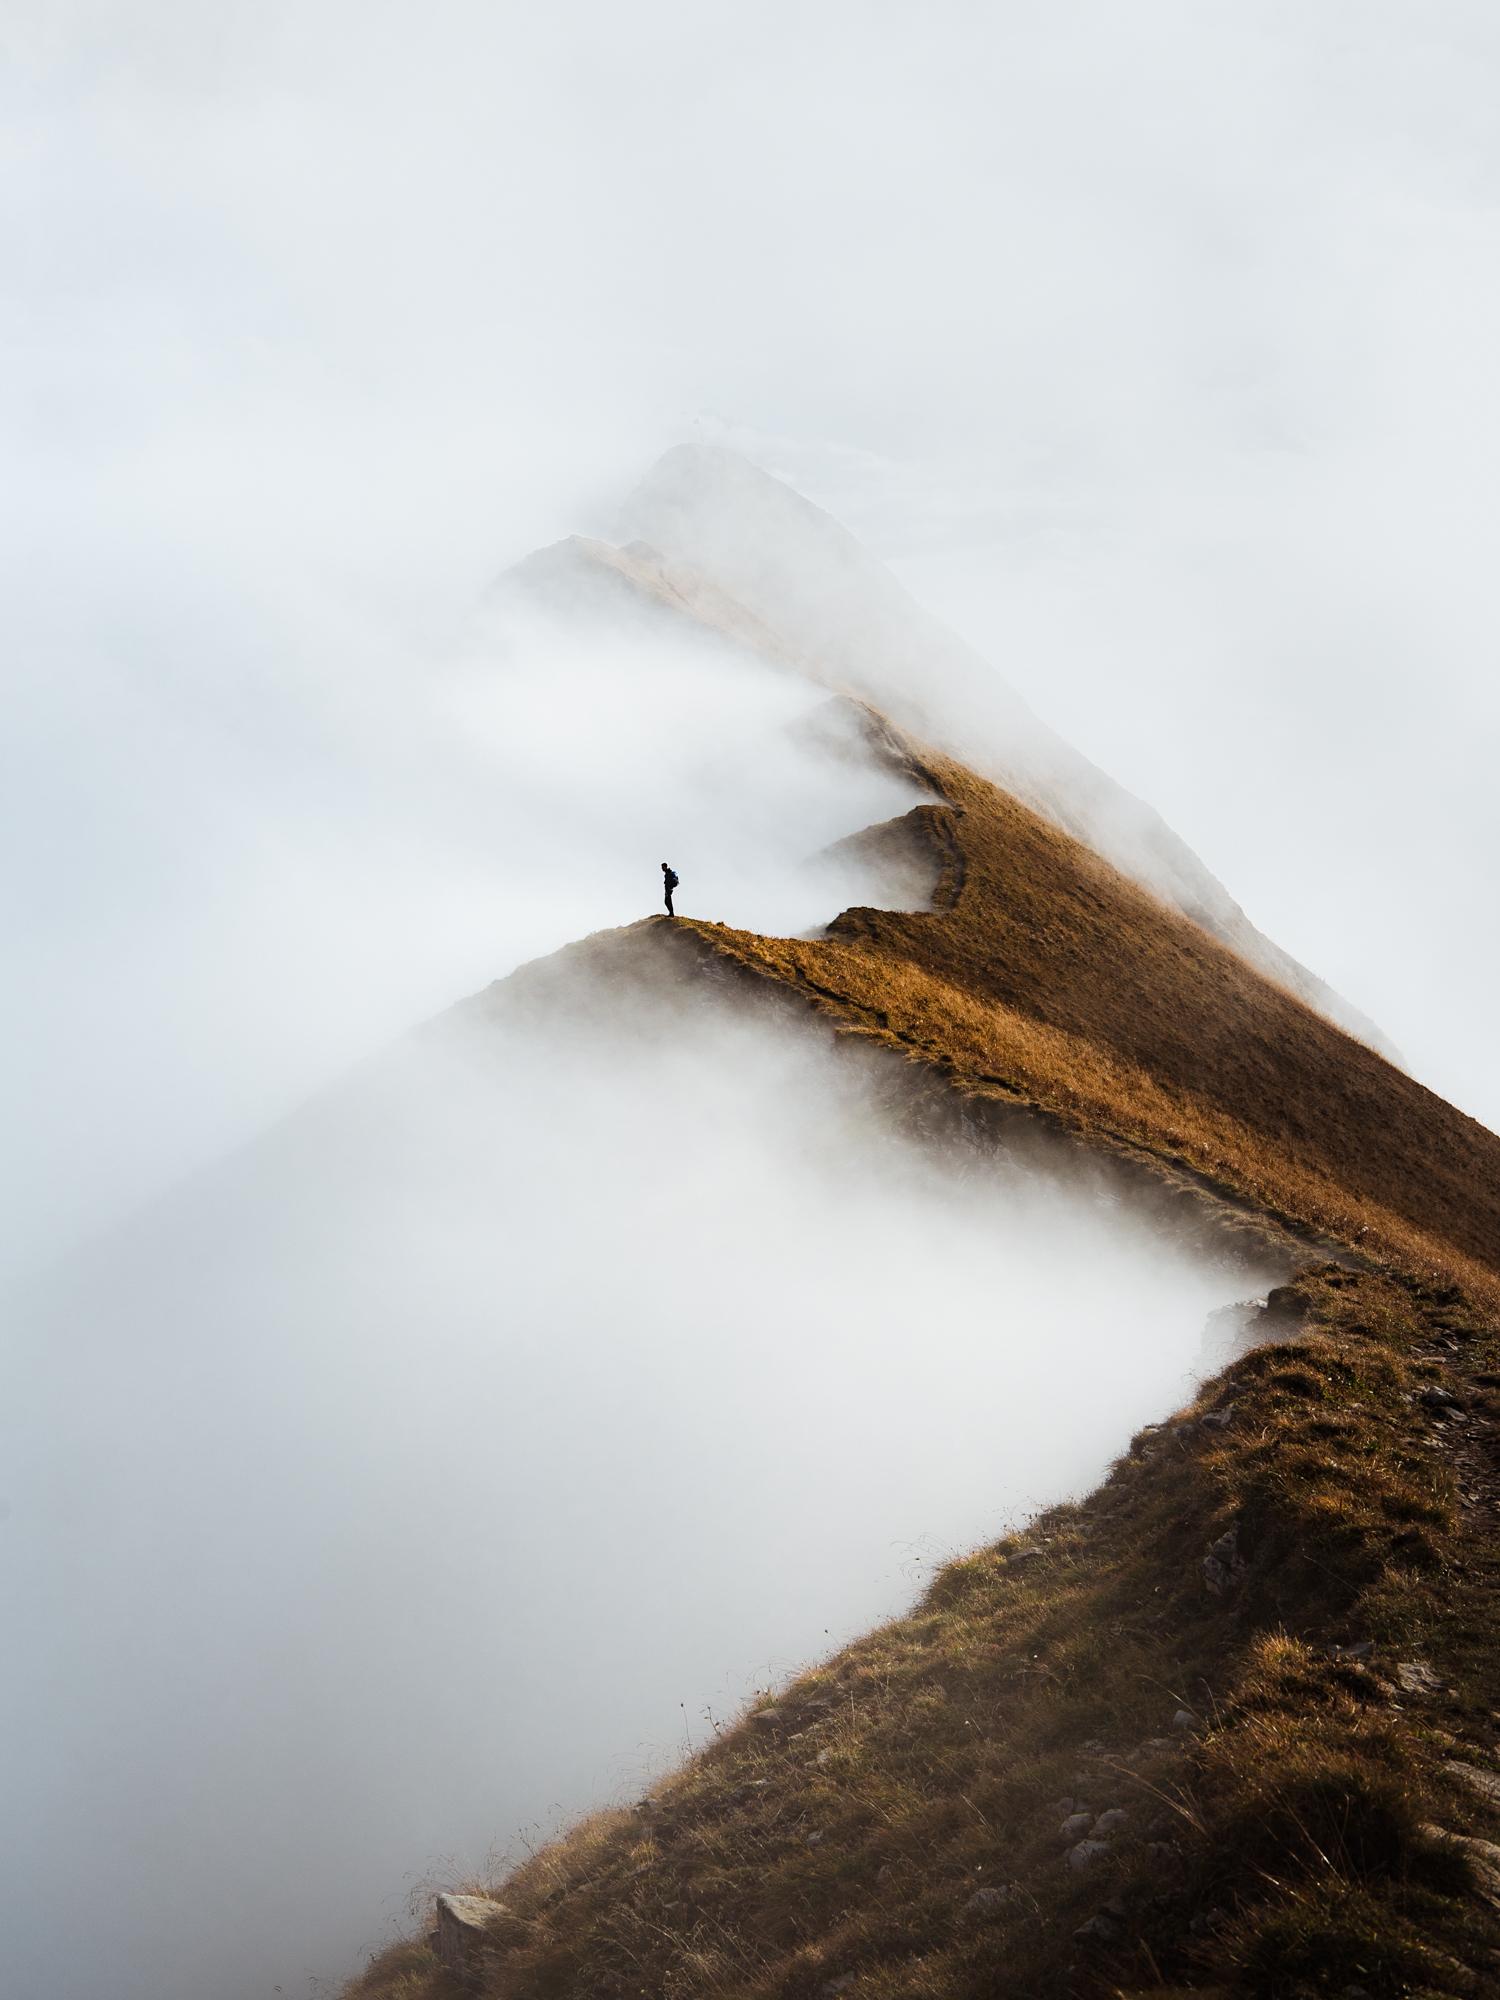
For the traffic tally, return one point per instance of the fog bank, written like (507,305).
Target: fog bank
(236,900)
(427,1472)
(458,1455)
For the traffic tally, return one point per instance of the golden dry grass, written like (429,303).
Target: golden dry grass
(1048,978)
(888,1828)
(845,1830)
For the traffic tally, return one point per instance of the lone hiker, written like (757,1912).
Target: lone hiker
(669,883)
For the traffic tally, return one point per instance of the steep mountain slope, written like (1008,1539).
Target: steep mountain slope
(1199,1729)
(827,601)
(1232,1725)
(1047,976)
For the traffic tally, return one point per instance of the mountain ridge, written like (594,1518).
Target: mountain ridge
(843,616)
(1182,1695)
(1040,913)
(1229,1725)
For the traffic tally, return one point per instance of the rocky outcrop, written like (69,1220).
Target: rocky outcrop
(461,1927)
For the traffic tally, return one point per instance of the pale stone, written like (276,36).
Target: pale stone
(461,1928)
(1485,1783)
(1416,1677)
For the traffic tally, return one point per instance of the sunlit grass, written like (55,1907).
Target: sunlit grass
(1050,979)
(1207,1645)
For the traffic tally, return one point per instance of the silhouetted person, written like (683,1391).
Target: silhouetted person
(669,883)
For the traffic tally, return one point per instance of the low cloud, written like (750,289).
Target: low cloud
(449,1461)
(242,887)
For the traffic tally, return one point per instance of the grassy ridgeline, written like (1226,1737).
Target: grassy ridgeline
(1194,1735)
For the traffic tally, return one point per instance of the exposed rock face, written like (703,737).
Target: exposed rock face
(1224,1566)
(460,1929)
(726,527)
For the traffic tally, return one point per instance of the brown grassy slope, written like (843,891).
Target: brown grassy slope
(902,1823)
(1048,976)
(1259,1650)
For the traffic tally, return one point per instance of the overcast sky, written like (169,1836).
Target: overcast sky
(1154,347)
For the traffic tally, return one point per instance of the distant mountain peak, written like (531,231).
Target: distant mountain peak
(830,604)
